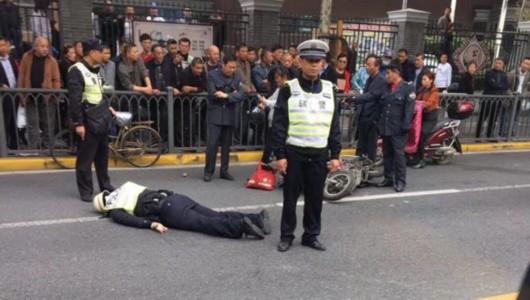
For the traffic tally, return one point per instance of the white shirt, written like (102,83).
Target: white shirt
(10,73)
(418,71)
(156,19)
(270,103)
(443,75)
(520,82)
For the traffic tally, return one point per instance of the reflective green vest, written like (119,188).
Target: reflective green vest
(93,92)
(310,115)
(125,197)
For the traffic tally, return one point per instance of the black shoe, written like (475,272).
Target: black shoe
(85,199)
(109,189)
(385,183)
(315,244)
(266,222)
(419,165)
(250,229)
(399,187)
(226,176)
(284,245)
(207,178)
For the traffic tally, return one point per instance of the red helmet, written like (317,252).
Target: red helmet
(460,110)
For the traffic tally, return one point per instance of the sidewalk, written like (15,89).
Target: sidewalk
(188,159)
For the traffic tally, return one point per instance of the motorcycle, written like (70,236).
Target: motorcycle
(443,143)
(355,172)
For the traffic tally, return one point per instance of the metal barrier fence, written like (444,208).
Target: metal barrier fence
(110,25)
(181,120)
(495,118)
(31,118)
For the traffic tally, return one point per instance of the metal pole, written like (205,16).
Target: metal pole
(405,4)
(3,134)
(500,28)
(170,120)
(513,113)
(325,16)
(521,12)
(453,10)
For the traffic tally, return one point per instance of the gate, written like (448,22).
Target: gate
(369,35)
(512,47)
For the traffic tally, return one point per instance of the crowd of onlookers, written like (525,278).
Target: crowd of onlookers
(155,66)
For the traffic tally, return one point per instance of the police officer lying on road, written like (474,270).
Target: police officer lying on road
(137,206)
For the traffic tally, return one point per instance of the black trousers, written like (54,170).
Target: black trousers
(9,106)
(94,149)
(427,126)
(308,176)
(218,136)
(180,212)
(267,147)
(488,113)
(394,158)
(367,143)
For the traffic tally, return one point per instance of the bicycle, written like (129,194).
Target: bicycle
(136,143)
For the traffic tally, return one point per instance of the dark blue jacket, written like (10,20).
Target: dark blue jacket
(397,110)
(496,83)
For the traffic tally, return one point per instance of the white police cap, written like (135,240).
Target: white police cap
(313,49)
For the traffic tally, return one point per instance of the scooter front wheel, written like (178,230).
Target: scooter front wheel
(338,185)
(443,160)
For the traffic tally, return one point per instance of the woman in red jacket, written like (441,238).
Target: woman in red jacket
(431,105)
(343,75)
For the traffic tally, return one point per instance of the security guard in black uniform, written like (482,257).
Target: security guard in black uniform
(92,118)
(306,141)
(397,109)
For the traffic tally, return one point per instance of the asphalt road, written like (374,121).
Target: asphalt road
(459,232)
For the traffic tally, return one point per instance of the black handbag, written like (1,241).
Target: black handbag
(98,119)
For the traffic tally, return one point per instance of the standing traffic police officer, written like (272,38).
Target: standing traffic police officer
(306,135)
(397,108)
(92,118)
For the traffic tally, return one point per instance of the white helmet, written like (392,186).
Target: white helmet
(99,201)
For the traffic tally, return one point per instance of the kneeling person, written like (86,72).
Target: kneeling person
(137,206)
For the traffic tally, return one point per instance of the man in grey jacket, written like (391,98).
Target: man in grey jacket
(518,80)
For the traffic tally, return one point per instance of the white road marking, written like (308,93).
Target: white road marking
(48,222)
(280,204)
(433,193)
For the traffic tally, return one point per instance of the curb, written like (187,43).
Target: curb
(188,159)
